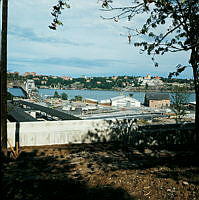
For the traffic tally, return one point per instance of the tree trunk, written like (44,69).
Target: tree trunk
(3,67)
(196,83)
(194,62)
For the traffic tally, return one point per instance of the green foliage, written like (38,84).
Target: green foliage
(136,82)
(78,98)
(56,95)
(146,86)
(64,96)
(178,20)
(56,12)
(106,83)
(9,96)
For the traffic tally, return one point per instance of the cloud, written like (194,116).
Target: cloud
(72,62)
(29,35)
(86,44)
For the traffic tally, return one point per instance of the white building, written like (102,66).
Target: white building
(152,82)
(122,101)
(30,85)
(149,81)
(125,101)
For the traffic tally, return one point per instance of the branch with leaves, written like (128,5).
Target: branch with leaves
(56,12)
(161,13)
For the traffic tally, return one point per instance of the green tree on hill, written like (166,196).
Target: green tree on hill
(56,95)
(78,98)
(64,96)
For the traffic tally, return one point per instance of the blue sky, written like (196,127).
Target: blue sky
(85,45)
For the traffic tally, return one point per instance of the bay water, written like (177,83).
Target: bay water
(99,94)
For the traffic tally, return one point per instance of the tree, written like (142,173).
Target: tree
(64,96)
(179,98)
(56,95)
(146,86)
(3,67)
(178,27)
(137,83)
(78,98)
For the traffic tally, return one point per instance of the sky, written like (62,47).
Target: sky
(86,45)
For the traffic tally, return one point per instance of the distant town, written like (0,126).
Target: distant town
(157,104)
(126,83)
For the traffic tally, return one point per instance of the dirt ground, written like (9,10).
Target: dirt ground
(100,171)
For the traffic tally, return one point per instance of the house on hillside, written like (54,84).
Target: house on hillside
(148,80)
(157,100)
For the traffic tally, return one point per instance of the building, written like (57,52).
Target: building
(125,101)
(30,74)
(66,78)
(192,105)
(13,73)
(94,101)
(121,101)
(157,100)
(157,77)
(30,85)
(43,82)
(148,77)
(147,80)
(114,77)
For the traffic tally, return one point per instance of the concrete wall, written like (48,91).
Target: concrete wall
(56,132)
(87,131)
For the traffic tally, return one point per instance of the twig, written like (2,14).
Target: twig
(12,149)
(147,193)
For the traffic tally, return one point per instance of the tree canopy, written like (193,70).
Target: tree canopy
(56,94)
(64,96)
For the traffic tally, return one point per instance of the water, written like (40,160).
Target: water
(98,94)
(16,92)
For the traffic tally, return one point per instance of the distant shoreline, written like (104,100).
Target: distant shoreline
(119,90)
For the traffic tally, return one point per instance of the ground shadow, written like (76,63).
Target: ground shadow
(180,163)
(34,175)
(128,131)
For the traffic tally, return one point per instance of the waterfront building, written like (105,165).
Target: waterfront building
(121,101)
(157,100)
(125,101)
